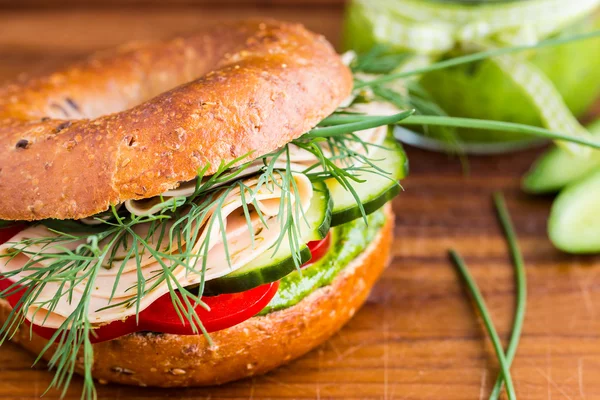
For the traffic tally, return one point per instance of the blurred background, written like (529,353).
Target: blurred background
(41,34)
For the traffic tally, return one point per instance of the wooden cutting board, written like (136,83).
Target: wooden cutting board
(418,336)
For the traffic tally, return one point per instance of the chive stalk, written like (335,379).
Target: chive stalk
(482,55)
(505,359)
(521,283)
(487,320)
(433,120)
(357,125)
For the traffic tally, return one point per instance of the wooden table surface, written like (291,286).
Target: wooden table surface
(417,337)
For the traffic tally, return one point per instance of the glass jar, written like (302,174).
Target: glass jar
(483,90)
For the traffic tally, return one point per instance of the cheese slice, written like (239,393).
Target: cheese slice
(243,245)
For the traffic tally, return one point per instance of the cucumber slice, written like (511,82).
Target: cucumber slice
(557,168)
(376,190)
(318,215)
(574,222)
(269,267)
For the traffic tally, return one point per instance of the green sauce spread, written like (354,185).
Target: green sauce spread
(348,241)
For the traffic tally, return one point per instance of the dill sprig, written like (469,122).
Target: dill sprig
(115,241)
(343,164)
(73,268)
(382,61)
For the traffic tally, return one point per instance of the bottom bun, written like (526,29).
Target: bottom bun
(253,347)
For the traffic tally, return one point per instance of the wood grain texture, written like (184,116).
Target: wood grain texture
(59,4)
(417,337)
(54,4)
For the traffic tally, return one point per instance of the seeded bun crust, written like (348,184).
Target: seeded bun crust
(135,122)
(253,347)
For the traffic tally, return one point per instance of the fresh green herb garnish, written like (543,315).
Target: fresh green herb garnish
(356,125)
(341,164)
(451,62)
(407,94)
(179,222)
(505,360)
(520,281)
(427,109)
(499,125)
(487,320)
(379,60)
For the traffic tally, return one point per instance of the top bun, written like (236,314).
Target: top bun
(135,122)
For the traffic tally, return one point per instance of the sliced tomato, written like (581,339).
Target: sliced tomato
(225,310)
(319,248)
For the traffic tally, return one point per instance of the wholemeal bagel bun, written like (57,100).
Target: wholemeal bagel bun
(135,122)
(251,348)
